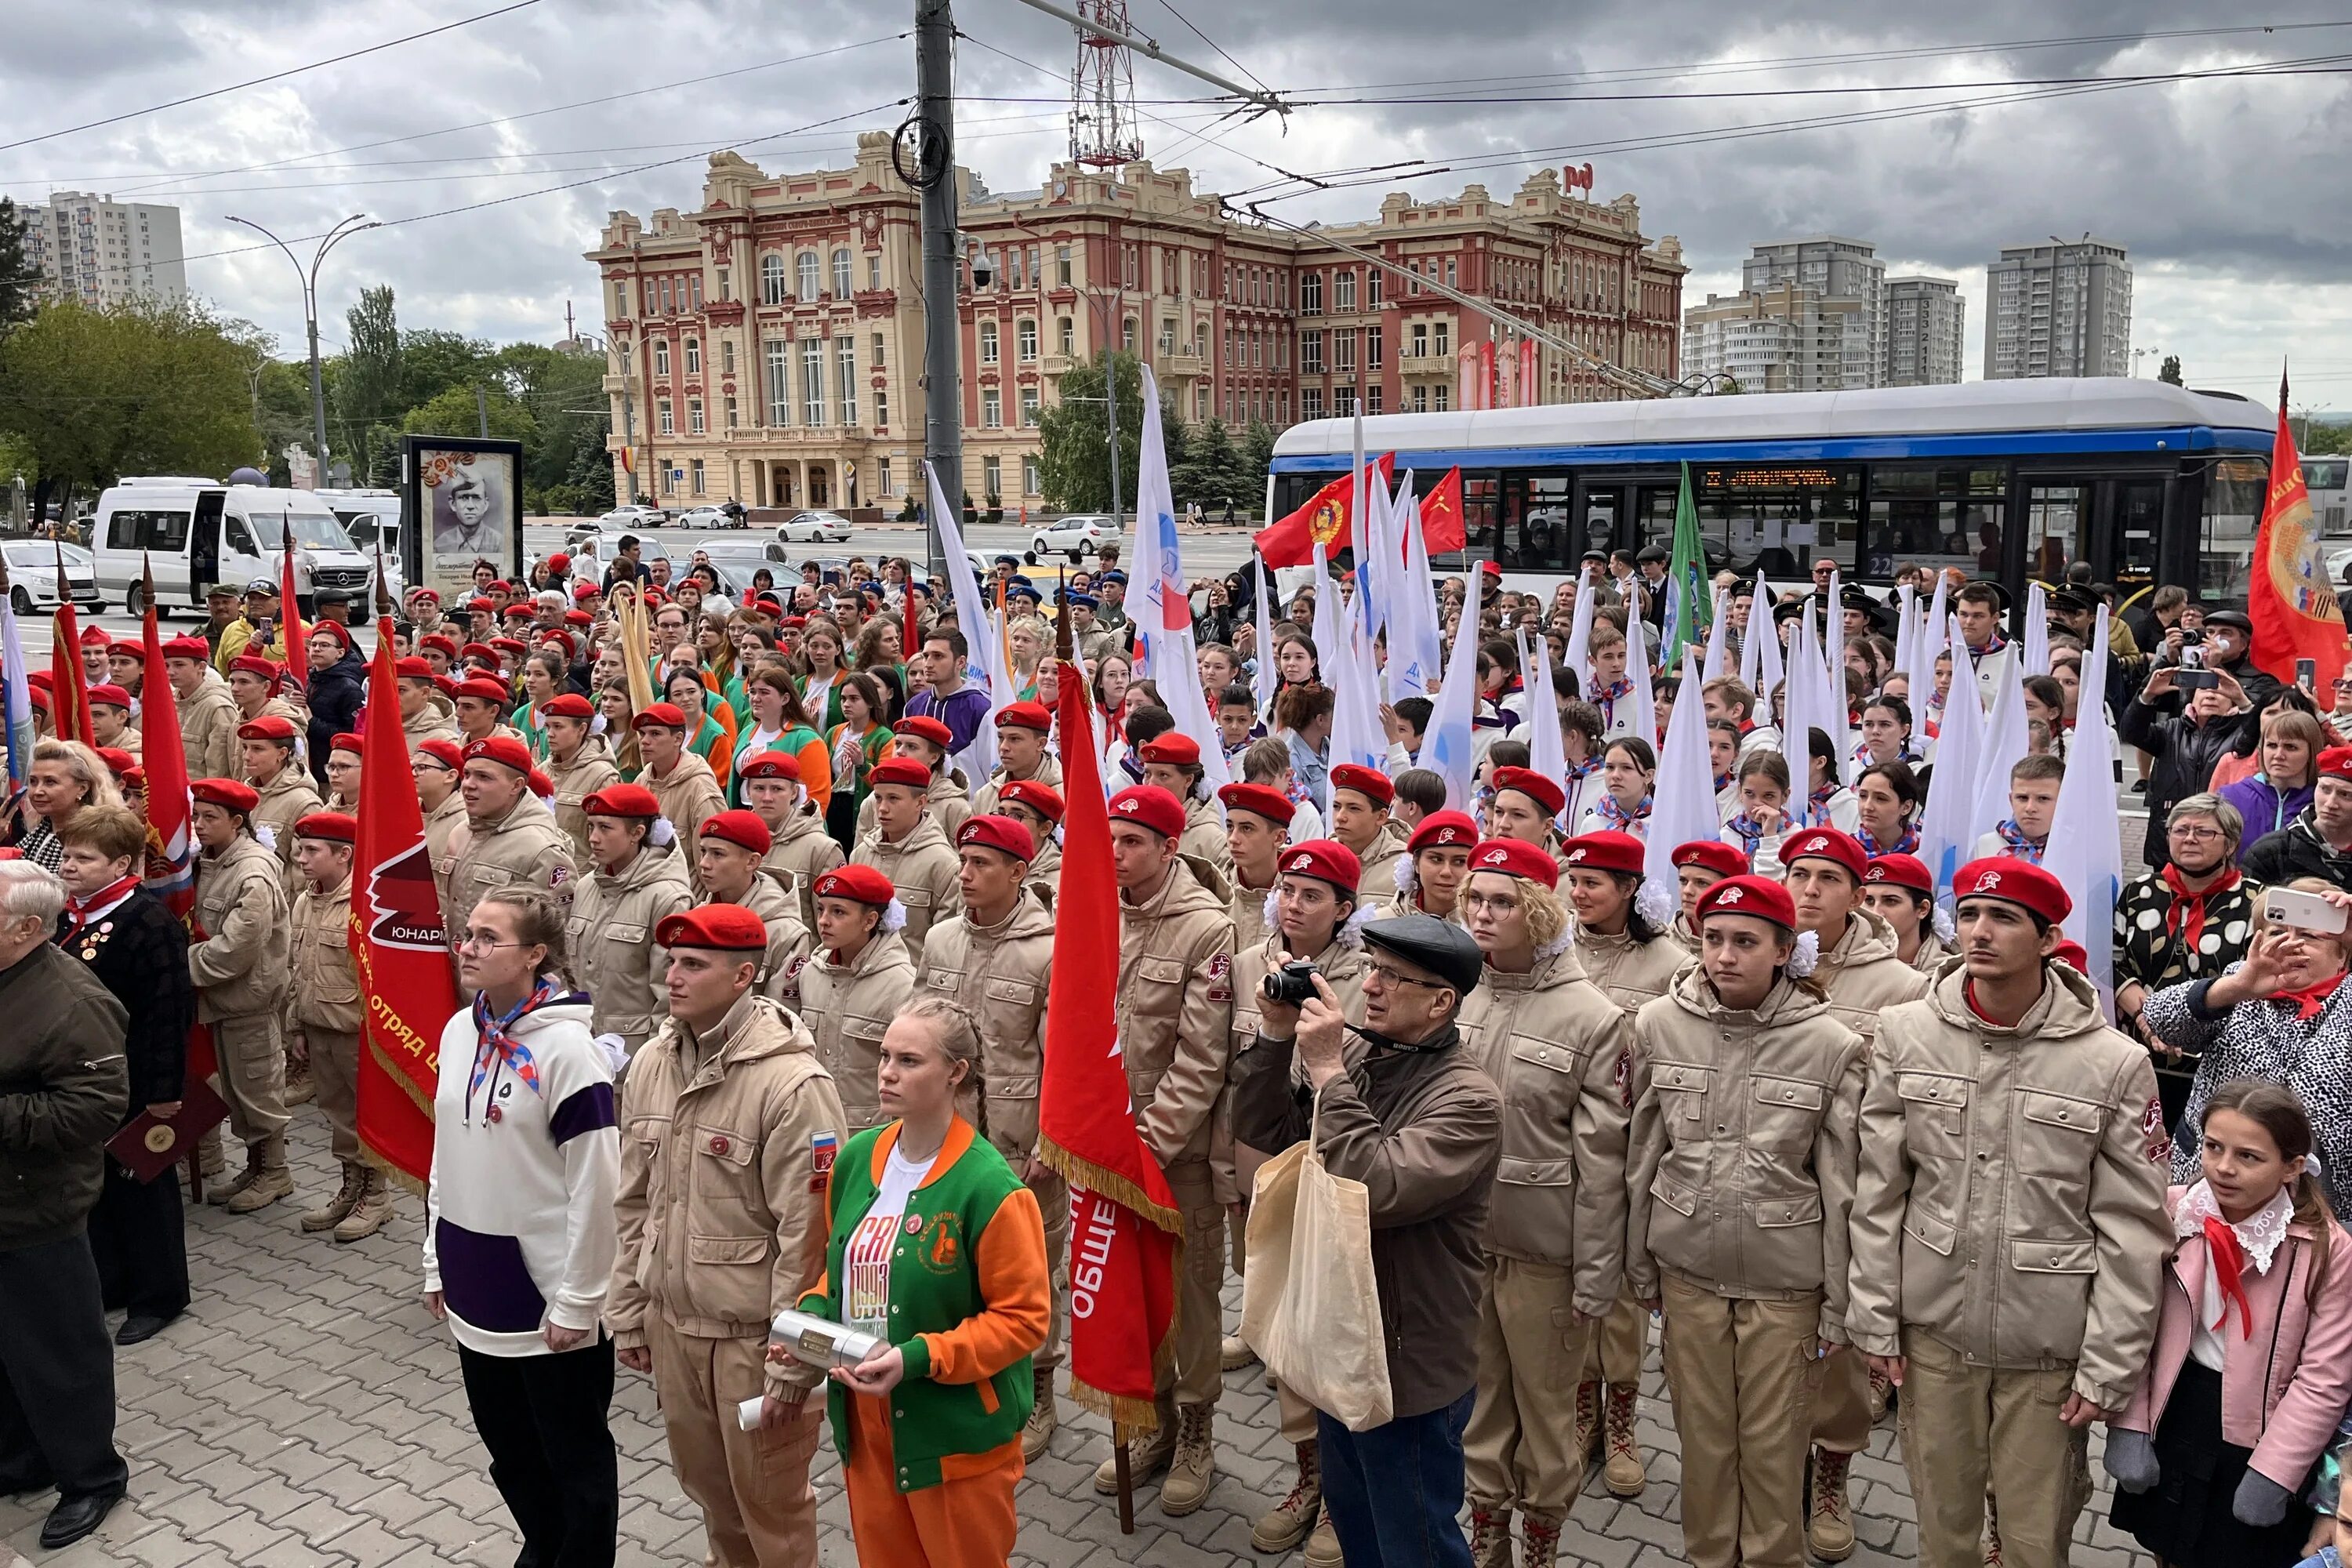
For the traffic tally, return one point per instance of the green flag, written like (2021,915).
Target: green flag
(1690,609)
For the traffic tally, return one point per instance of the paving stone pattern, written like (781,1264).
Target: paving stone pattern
(307,1413)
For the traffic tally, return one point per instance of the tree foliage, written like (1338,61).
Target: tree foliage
(2170,371)
(92,394)
(19,278)
(1073,461)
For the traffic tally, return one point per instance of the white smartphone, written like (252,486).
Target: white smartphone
(2304,912)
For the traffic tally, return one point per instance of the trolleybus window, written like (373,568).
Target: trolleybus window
(2054,530)
(2233,507)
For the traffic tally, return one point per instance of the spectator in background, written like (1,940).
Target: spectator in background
(2157,613)
(2185,747)
(337,692)
(2266,802)
(2319,842)
(2188,919)
(2229,648)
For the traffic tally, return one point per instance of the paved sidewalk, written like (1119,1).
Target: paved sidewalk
(307,1413)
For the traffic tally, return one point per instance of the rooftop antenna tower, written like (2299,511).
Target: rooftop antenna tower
(1103,127)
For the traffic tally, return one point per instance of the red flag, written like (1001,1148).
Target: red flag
(171,828)
(1323,520)
(2289,598)
(1441,527)
(298,652)
(398,943)
(1124,1228)
(68,687)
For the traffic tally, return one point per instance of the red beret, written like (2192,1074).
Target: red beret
(742,828)
(1544,792)
(189,648)
(446,752)
(118,760)
(111,695)
(1326,860)
(120,649)
(1747,894)
(1027,715)
(1180,750)
(97,637)
(439,642)
(340,826)
(1042,799)
(481,603)
(1149,806)
(582,592)
(133,777)
(500,585)
(331,629)
(252,664)
(1001,833)
(1370,783)
(1259,800)
(928,728)
(413,669)
(1826,844)
(423,593)
(269,727)
(568,705)
(1901,871)
(558,639)
(729,928)
(622,800)
(503,749)
(1440,828)
(2070,953)
(480,650)
(560,561)
(770,766)
(483,688)
(447,685)
(227,793)
(1618,852)
(578,618)
(1516,857)
(346,741)
(858,884)
(900,771)
(659,716)
(2336,763)
(1723,860)
(2014,881)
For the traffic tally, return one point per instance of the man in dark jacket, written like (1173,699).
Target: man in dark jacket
(2185,748)
(2318,842)
(1420,1124)
(63,1087)
(338,691)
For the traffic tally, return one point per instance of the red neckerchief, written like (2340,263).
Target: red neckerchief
(1969,994)
(2308,1001)
(81,911)
(1745,725)
(2185,914)
(2229,1262)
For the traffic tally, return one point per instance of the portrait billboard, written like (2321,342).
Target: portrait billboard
(463,507)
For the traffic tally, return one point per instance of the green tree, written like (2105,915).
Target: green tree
(432,362)
(1257,462)
(368,390)
(2170,371)
(18,276)
(457,412)
(1073,464)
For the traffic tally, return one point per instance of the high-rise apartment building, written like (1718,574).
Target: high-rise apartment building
(103,252)
(2060,308)
(1811,316)
(1925,325)
(1836,269)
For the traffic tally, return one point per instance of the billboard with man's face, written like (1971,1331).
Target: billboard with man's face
(464,507)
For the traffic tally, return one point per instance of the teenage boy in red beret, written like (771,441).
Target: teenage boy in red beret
(240,972)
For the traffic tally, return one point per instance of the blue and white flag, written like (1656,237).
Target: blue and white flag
(1449,749)
(2086,851)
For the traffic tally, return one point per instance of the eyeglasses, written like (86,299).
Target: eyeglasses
(1388,977)
(1500,905)
(473,941)
(2195,832)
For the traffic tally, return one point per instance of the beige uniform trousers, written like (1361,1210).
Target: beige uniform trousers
(1199,1374)
(252,1056)
(1841,1408)
(1616,1351)
(1053,1195)
(1741,1373)
(335,1070)
(758,1508)
(1519,1449)
(1968,1429)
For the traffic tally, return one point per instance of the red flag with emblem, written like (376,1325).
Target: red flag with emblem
(1441,527)
(2289,597)
(298,649)
(1124,1223)
(1324,520)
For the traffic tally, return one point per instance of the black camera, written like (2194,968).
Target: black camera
(1293,985)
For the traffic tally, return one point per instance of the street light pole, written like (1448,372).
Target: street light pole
(935,180)
(355,224)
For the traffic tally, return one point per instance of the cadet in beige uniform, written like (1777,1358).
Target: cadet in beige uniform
(2008,1224)
(908,847)
(730,1128)
(681,781)
(208,716)
(992,959)
(1361,801)
(1864,976)
(1634,963)
(422,714)
(508,839)
(728,855)
(1746,1097)
(854,983)
(434,765)
(323,1012)
(239,969)
(1901,891)
(922,739)
(636,885)
(799,849)
(1172,761)
(578,764)
(1039,809)
(1436,863)
(1257,830)
(281,787)
(1555,1242)
(1021,733)
(1175,1007)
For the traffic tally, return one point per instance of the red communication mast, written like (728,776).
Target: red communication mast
(1103,132)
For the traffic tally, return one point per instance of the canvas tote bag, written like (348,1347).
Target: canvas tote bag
(1310,1307)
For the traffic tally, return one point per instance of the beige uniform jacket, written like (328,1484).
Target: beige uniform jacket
(1631,972)
(998,974)
(688,798)
(285,801)
(1175,1007)
(590,770)
(1045,871)
(1558,1049)
(1743,1147)
(1380,859)
(2011,1195)
(1931,955)
(208,722)
(948,803)
(721,1208)
(239,967)
(430,722)
(524,848)
(848,1007)
(441,824)
(1204,837)
(1251,925)
(802,852)
(1863,976)
(789,938)
(986,802)
(924,869)
(611,936)
(325,991)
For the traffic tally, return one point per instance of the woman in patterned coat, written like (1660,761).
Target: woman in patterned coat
(2188,919)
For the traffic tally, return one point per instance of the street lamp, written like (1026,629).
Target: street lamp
(355,224)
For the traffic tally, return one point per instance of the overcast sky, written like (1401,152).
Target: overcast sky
(2233,194)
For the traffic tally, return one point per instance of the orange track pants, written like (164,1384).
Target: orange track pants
(967,1522)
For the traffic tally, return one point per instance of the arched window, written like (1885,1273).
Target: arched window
(842,282)
(807,288)
(987,342)
(772,280)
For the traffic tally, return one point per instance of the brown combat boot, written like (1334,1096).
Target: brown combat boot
(1289,1521)
(1993,1533)
(368,1214)
(266,1178)
(1144,1457)
(328,1214)
(1882,1395)
(1538,1541)
(299,1088)
(1828,1520)
(1490,1535)
(217,1191)
(1622,1470)
(1192,1468)
(1323,1545)
(1588,1422)
(1044,1416)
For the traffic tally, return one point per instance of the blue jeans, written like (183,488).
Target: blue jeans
(1394,1492)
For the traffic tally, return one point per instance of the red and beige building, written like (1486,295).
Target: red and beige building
(767,346)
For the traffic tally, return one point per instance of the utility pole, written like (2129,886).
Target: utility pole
(355,224)
(934,177)
(482,409)
(1110,417)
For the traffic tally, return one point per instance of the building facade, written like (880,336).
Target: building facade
(1811,316)
(1927,323)
(767,346)
(2059,309)
(103,252)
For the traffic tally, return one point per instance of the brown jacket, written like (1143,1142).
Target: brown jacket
(611,937)
(848,1007)
(325,990)
(1341,963)
(1863,976)
(208,722)
(998,974)
(1743,1157)
(1556,1048)
(1175,1009)
(1631,972)
(590,770)
(688,798)
(802,852)
(1049,774)
(239,967)
(2011,1195)
(524,848)
(924,868)
(723,1164)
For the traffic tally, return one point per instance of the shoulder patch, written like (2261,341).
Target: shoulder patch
(822,1147)
(2159,1143)
(558,874)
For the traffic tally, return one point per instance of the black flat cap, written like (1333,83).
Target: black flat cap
(1442,948)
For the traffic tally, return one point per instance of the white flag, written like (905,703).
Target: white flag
(2037,632)
(2086,852)
(1836,711)
(1547,754)
(1644,692)
(1717,647)
(1683,808)
(1576,656)
(1414,649)
(977,759)
(1449,749)
(2005,742)
(1165,616)
(1945,838)
(1265,678)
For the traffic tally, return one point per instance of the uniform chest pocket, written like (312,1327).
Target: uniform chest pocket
(2057,1134)
(1786,1112)
(488,875)
(1934,1113)
(1682,1089)
(1160,987)
(915,897)
(726,1164)
(945,981)
(627,935)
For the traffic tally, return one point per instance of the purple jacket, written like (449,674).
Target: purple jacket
(2264,808)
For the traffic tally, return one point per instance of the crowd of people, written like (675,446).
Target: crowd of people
(755,977)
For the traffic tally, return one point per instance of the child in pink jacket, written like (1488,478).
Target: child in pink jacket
(2252,1364)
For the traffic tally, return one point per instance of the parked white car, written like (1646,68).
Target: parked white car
(33,575)
(816,528)
(1073,536)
